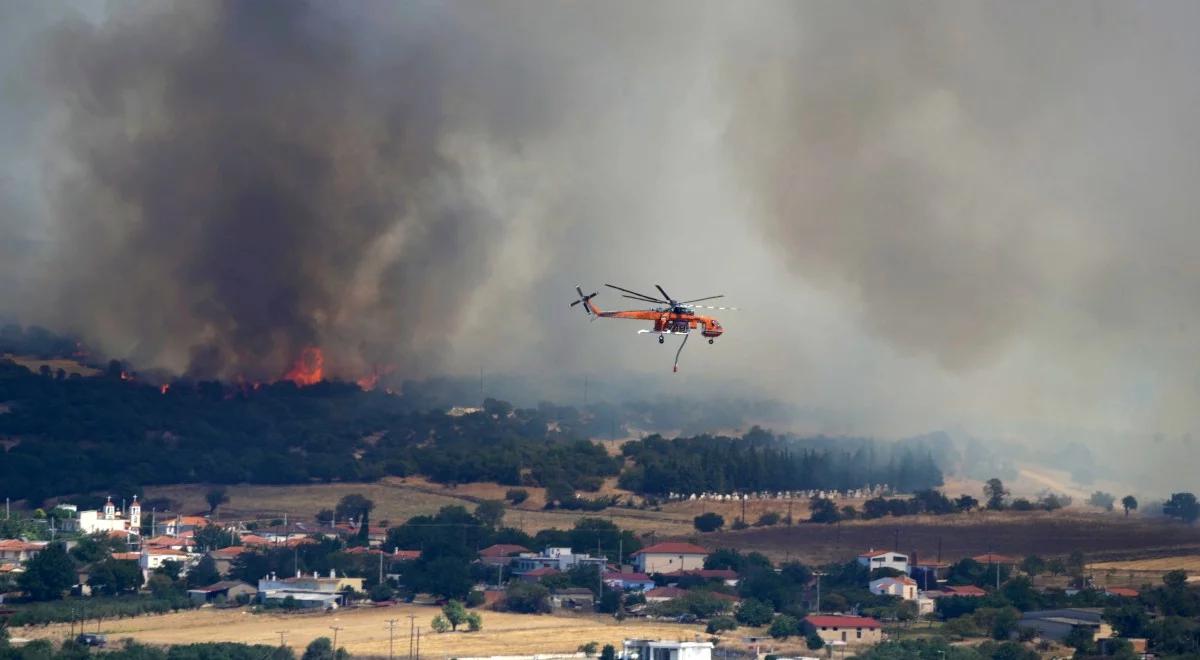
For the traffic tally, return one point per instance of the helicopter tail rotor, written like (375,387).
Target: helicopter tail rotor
(584,300)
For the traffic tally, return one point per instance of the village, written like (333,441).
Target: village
(700,600)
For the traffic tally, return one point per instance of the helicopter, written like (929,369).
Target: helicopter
(671,317)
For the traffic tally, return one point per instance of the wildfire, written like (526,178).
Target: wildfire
(368,383)
(308,368)
(162,389)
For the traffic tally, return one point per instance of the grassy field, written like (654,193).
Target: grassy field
(69,366)
(365,631)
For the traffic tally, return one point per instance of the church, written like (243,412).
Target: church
(107,519)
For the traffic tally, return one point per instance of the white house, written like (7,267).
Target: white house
(874,559)
(646,649)
(106,519)
(669,558)
(903,586)
(17,551)
(560,559)
(154,557)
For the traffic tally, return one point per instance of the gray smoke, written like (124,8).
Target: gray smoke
(934,214)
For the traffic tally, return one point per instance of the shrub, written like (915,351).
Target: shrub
(440,624)
(784,626)
(708,522)
(767,519)
(754,612)
(516,495)
(474,622)
(720,624)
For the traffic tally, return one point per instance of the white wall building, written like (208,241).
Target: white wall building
(106,519)
(669,558)
(645,649)
(903,586)
(874,559)
(560,559)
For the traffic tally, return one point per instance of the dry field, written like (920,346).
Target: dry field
(69,366)
(365,631)
(397,500)
(1101,537)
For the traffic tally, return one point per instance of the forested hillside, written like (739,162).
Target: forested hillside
(65,435)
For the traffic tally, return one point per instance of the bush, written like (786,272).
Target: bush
(588,649)
(475,598)
(754,612)
(813,641)
(380,593)
(784,626)
(526,597)
(474,622)
(720,624)
(767,519)
(516,495)
(440,624)
(739,524)
(708,522)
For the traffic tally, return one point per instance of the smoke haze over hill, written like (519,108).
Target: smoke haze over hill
(934,215)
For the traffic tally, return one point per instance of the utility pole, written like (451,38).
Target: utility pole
(335,630)
(391,638)
(818,574)
(411,629)
(380,561)
(282,637)
(418,643)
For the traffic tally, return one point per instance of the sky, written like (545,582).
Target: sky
(932,215)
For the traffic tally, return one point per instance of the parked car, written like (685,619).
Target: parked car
(91,639)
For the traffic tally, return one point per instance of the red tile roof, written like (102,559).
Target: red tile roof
(127,556)
(708,573)
(407,555)
(879,553)
(502,550)
(841,621)
(967,590)
(22,546)
(666,592)
(1123,592)
(903,579)
(672,548)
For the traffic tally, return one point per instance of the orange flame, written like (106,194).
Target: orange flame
(368,383)
(308,368)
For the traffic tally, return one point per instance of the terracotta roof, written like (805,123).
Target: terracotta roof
(407,555)
(966,590)
(902,579)
(672,548)
(1123,592)
(221,586)
(254,539)
(628,577)
(992,558)
(708,573)
(879,553)
(541,572)
(164,551)
(720,595)
(193,520)
(127,556)
(22,546)
(666,592)
(841,621)
(231,551)
(502,550)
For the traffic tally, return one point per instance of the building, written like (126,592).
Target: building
(874,559)
(179,525)
(645,649)
(727,576)
(966,590)
(152,558)
(560,559)
(502,554)
(223,557)
(1057,624)
(308,591)
(903,586)
(661,594)
(17,551)
(842,628)
(222,592)
(1120,592)
(628,581)
(669,557)
(106,519)
(991,558)
(574,598)
(538,573)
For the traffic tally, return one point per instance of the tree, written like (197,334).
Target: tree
(212,537)
(767,519)
(353,507)
(1080,638)
(215,497)
(48,574)
(784,626)
(490,513)
(823,510)
(455,613)
(1102,500)
(1129,503)
(609,652)
(588,649)
(516,495)
(440,624)
(526,597)
(474,622)
(966,503)
(813,641)
(708,522)
(1182,506)
(1033,565)
(754,612)
(720,624)
(320,648)
(994,494)
(115,576)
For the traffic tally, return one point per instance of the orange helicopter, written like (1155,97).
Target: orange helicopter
(674,317)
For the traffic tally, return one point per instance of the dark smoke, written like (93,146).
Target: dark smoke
(248,179)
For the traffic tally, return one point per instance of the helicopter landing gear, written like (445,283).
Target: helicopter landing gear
(710,341)
(661,339)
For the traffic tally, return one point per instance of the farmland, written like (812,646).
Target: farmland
(365,631)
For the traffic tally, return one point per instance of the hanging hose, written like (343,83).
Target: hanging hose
(675,369)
